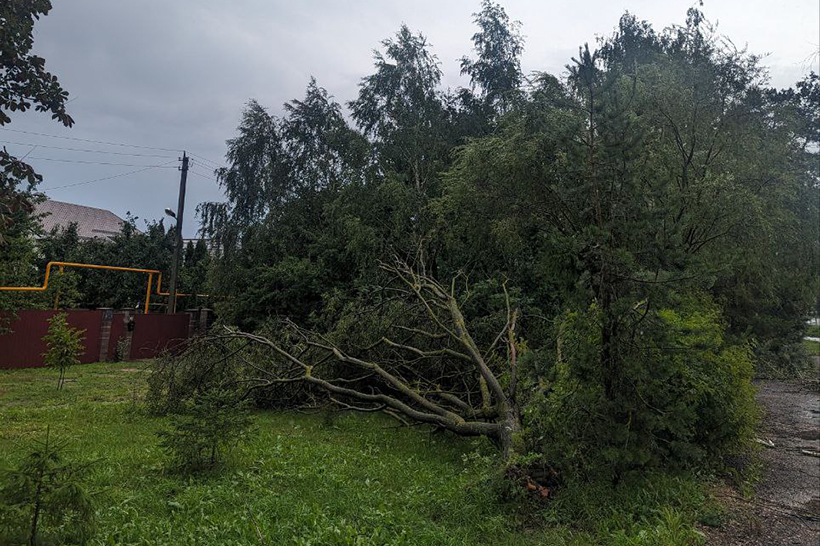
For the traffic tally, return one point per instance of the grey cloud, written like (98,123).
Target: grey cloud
(175,74)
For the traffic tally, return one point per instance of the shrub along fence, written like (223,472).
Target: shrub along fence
(136,335)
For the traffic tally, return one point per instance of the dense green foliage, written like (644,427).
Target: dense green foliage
(362,481)
(653,213)
(662,164)
(687,395)
(65,345)
(17,251)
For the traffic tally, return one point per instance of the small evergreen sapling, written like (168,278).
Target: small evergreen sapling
(65,345)
(212,424)
(45,492)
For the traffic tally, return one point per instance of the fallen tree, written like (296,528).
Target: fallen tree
(426,368)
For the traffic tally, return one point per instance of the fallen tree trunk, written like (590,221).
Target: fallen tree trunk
(395,374)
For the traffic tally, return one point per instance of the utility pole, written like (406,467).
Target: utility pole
(172,292)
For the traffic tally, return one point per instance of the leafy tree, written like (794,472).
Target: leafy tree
(657,171)
(323,151)
(24,83)
(45,491)
(774,283)
(399,107)
(689,395)
(427,324)
(498,45)
(194,273)
(65,345)
(271,234)
(17,250)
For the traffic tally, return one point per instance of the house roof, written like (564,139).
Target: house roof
(91,222)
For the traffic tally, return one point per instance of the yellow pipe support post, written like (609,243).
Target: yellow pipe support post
(159,293)
(148,291)
(57,295)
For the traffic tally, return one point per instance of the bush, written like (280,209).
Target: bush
(65,345)
(683,395)
(782,361)
(212,424)
(44,495)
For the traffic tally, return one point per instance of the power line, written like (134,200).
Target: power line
(211,163)
(202,175)
(81,149)
(34,147)
(107,143)
(107,177)
(210,171)
(214,163)
(205,169)
(95,162)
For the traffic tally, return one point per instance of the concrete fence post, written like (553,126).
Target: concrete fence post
(204,319)
(105,333)
(129,332)
(193,321)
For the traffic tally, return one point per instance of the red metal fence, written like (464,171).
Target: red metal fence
(145,337)
(24,347)
(155,333)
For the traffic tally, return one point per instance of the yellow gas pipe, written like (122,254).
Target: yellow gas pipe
(61,265)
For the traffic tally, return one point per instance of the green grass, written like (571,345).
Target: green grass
(813,330)
(812,347)
(360,481)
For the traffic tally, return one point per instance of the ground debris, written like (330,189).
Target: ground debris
(785,507)
(765,442)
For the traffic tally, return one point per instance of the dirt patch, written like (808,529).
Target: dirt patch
(809,435)
(785,509)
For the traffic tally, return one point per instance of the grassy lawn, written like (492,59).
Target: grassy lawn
(358,481)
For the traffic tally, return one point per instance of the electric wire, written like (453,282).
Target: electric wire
(214,163)
(107,143)
(80,161)
(107,177)
(203,169)
(34,147)
(85,150)
(201,175)
(206,169)
(207,164)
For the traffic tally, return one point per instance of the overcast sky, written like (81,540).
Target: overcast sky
(176,74)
